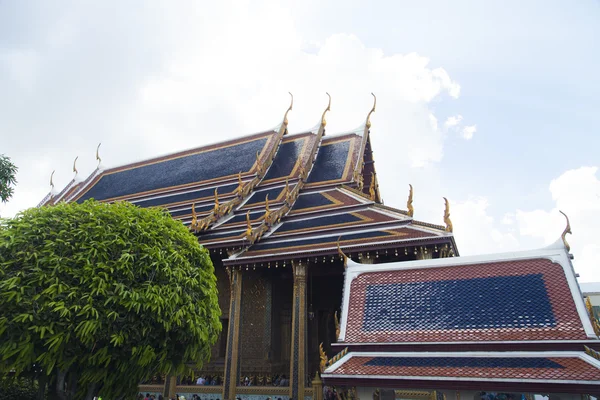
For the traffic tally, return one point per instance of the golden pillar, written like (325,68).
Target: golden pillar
(170,386)
(317,385)
(232,357)
(298,349)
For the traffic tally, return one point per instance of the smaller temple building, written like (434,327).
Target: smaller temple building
(504,326)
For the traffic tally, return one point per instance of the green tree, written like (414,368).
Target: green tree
(103,296)
(7,178)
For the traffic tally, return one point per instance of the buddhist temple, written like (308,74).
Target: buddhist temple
(321,284)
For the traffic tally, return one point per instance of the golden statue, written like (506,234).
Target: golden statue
(323,358)
(567,230)
(447,220)
(409,206)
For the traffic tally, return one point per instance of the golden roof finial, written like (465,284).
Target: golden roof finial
(409,206)
(98,154)
(285,119)
(372,111)
(337,324)
(372,187)
(248,226)
(286,188)
(75,165)
(194,217)
(593,319)
(216,200)
(567,230)
(267,209)
(447,220)
(323,121)
(51,181)
(341,253)
(323,358)
(240,187)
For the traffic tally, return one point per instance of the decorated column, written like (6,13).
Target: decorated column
(232,357)
(298,350)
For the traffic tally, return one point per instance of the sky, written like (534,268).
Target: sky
(494,105)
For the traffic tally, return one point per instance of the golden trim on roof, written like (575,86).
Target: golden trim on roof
(361,219)
(393,235)
(354,141)
(593,319)
(139,195)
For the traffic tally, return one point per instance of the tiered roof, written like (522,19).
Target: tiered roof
(455,323)
(269,195)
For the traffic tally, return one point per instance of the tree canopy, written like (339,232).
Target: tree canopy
(7,178)
(104,296)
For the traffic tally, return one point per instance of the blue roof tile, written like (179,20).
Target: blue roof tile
(178,171)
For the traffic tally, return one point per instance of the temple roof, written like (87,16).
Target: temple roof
(267,195)
(526,296)
(562,371)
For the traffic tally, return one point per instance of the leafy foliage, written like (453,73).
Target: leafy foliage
(21,389)
(7,178)
(105,294)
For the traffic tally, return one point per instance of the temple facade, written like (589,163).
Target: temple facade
(283,216)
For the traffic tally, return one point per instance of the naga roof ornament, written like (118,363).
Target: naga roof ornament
(409,202)
(323,358)
(343,256)
(564,234)
(285,119)
(447,220)
(216,200)
(98,154)
(593,319)
(323,120)
(75,166)
(194,223)
(372,191)
(51,180)
(368,123)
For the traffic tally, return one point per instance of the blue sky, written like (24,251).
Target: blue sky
(150,77)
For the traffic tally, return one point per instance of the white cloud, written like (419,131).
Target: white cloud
(468,131)
(211,72)
(453,121)
(576,192)
(476,231)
